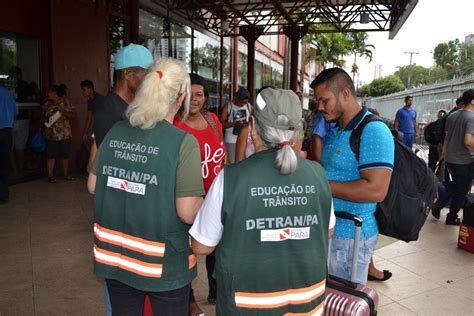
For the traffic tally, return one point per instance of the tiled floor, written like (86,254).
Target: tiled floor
(46,262)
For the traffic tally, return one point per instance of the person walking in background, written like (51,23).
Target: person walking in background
(356,184)
(406,123)
(148,188)
(207,130)
(458,152)
(235,115)
(8,111)
(93,99)
(58,112)
(263,247)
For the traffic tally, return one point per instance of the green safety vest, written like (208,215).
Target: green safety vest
(139,239)
(272,257)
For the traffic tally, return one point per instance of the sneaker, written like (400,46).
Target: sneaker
(436,212)
(453,221)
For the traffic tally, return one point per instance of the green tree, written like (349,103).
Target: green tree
(385,85)
(328,49)
(359,48)
(466,58)
(455,57)
(446,54)
(421,75)
(364,90)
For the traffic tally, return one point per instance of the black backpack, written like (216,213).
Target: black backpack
(411,192)
(434,131)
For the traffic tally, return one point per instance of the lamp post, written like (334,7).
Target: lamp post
(409,68)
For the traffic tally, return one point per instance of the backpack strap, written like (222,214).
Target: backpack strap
(354,139)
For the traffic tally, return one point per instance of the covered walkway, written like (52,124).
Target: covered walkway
(46,260)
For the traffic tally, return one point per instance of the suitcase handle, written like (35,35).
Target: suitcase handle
(358,227)
(347,283)
(357,220)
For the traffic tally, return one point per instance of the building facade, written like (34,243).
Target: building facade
(46,42)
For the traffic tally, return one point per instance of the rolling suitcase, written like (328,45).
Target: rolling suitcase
(344,297)
(466,230)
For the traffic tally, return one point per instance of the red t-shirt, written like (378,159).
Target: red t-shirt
(212,149)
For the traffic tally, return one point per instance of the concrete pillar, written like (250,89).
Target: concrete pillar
(235,64)
(251,33)
(294,33)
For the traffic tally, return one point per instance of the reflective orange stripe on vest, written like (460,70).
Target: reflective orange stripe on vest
(130,264)
(192,261)
(317,311)
(117,238)
(281,298)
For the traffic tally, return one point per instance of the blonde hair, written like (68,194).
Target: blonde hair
(165,81)
(286,160)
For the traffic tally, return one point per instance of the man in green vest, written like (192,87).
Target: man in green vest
(148,188)
(268,217)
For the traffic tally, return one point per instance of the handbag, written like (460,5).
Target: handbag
(36,141)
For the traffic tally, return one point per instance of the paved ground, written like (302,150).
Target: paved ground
(46,262)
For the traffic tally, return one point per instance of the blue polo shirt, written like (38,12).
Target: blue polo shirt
(406,119)
(377,149)
(8,108)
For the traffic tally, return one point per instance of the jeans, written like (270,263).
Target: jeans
(408,139)
(340,261)
(128,301)
(460,185)
(108,306)
(230,151)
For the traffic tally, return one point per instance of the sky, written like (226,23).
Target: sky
(430,23)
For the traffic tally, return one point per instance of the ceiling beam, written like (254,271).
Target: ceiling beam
(283,11)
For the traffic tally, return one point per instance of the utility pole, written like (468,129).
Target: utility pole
(409,68)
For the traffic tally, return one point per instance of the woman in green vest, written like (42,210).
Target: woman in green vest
(148,189)
(268,218)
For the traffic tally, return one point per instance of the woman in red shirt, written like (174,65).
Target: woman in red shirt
(207,129)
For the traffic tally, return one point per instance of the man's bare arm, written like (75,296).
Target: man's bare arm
(372,187)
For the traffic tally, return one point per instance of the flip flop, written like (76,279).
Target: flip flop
(386,275)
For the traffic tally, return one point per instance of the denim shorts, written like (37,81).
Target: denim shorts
(340,260)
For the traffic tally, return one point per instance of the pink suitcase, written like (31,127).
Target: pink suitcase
(344,297)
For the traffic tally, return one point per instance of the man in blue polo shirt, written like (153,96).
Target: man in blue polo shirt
(357,185)
(405,122)
(8,110)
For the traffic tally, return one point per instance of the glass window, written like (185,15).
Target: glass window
(165,39)
(206,52)
(277,78)
(19,66)
(181,43)
(118,37)
(154,34)
(206,56)
(20,73)
(242,78)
